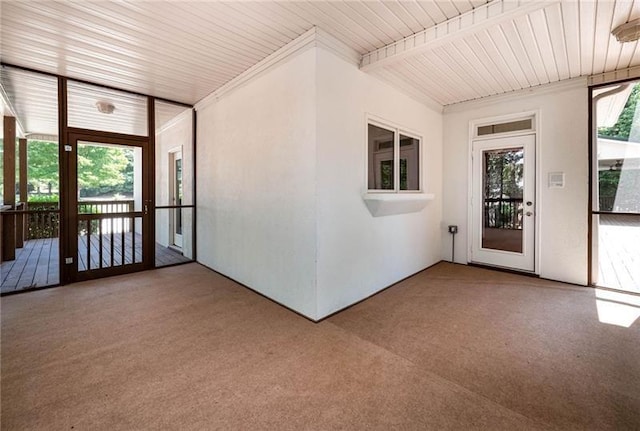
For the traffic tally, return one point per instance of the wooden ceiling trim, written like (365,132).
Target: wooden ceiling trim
(490,15)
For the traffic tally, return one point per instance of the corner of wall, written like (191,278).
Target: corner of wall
(315,191)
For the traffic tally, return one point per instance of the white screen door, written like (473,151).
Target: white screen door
(503,206)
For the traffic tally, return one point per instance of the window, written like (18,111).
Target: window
(512,126)
(393,159)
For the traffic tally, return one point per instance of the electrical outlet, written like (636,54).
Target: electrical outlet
(453,228)
(68,260)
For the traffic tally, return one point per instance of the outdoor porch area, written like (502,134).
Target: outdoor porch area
(37,263)
(619,252)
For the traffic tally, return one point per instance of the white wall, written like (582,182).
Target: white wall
(281,174)
(562,147)
(177,134)
(256,173)
(359,254)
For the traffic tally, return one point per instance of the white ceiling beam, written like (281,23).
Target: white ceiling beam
(482,17)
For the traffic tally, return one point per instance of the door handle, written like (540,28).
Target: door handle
(529,213)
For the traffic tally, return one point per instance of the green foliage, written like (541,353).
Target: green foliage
(43,198)
(622,129)
(608,182)
(43,162)
(504,172)
(101,170)
(101,166)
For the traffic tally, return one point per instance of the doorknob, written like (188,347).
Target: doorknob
(529,203)
(528,213)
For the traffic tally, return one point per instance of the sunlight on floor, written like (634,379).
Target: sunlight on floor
(616,308)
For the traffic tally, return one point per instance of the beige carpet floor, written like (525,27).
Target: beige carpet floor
(454,347)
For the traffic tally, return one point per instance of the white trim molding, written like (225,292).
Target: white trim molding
(553,87)
(615,75)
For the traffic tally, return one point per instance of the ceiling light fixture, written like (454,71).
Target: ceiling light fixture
(105,107)
(627,32)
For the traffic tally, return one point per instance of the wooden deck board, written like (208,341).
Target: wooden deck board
(619,252)
(37,263)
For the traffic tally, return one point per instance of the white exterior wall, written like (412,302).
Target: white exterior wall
(359,254)
(177,134)
(256,172)
(562,146)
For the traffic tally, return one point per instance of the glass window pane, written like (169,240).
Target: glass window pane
(96,108)
(512,126)
(409,163)
(618,149)
(503,207)
(381,158)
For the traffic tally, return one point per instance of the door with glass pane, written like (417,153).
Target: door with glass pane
(109,204)
(503,209)
(175,192)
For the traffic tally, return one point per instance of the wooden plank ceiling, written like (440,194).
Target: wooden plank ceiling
(185,50)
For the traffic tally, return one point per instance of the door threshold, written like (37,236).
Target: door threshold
(504,269)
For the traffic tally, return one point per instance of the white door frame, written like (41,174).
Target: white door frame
(473,136)
(175,239)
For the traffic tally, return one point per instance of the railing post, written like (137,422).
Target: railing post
(9,179)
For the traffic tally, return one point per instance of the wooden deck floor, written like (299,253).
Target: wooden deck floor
(37,263)
(619,252)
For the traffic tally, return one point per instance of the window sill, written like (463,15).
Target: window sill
(384,204)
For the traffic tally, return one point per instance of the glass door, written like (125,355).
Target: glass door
(176,197)
(110,206)
(503,202)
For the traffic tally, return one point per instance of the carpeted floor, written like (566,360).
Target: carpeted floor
(454,347)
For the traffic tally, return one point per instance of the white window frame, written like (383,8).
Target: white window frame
(397,130)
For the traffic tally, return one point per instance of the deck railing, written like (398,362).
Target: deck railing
(46,225)
(42,224)
(503,213)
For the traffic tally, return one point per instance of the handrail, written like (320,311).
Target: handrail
(102,216)
(169,207)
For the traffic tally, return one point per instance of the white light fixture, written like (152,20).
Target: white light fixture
(627,32)
(105,107)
